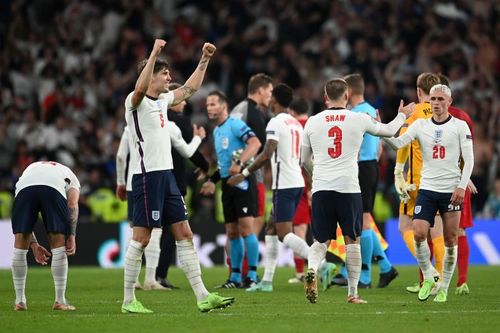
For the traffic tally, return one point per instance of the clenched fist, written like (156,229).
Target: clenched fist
(208,50)
(158,46)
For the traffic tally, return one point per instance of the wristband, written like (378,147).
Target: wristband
(245,172)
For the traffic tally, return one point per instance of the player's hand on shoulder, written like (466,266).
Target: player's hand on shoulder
(407,110)
(199,131)
(208,188)
(40,253)
(209,50)
(235,180)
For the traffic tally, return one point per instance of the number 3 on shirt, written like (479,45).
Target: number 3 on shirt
(336,133)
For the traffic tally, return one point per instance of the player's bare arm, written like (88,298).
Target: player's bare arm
(73,196)
(195,80)
(145,77)
(269,148)
(306,160)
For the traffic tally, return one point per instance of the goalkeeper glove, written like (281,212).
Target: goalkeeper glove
(400,183)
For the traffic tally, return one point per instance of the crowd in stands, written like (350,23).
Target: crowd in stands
(66,67)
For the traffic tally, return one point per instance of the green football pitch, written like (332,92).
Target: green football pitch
(97,294)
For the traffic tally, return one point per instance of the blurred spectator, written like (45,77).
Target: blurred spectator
(492,207)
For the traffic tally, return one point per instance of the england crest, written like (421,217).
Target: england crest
(418,209)
(438,135)
(155,214)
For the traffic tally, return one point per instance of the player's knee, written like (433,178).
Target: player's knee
(450,240)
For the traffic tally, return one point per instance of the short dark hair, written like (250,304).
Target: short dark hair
(160,64)
(220,94)
(335,88)
(443,79)
(283,94)
(257,81)
(426,81)
(355,83)
(299,106)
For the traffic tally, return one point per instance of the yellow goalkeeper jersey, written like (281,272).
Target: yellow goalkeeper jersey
(412,151)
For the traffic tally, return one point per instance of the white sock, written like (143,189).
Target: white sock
(317,253)
(190,265)
(133,261)
(423,254)
(152,253)
(353,267)
(59,268)
(271,257)
(297,244)
(19,271)
(450,261)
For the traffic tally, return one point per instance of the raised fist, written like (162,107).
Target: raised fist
(208,49)
(158,46)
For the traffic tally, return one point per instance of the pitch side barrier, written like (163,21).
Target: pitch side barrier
(104,245)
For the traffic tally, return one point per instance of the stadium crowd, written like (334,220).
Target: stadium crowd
(66,67)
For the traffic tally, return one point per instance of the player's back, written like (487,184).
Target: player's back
(335,137)
(48,173)
(422,111)
(285,162)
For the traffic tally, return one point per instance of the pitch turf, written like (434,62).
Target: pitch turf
(97,294)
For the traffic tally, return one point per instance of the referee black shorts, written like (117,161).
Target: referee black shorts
(368,180)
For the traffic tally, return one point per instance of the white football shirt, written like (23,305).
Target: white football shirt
(441,144)
(335,137)
(285,162)
(149,131)
(48,173)
(127,146)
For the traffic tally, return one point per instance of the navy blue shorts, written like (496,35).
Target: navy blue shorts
(330,208)
(42,199)
(430,202)
(239,201)
(130,206)
(157,200)
(285,204)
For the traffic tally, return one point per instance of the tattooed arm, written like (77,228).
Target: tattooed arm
(73,196)
(194,82)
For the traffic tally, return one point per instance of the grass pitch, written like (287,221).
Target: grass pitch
(97,294)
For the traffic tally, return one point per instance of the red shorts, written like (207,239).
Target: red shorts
(303,212)
(261,199)
(466,214)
